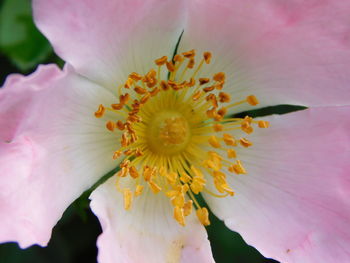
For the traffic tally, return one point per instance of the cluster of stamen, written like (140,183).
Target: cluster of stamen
(175,135)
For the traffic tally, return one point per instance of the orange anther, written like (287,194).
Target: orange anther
(120,125)
(219,77)
(208,89)
(117,154)
(218,127)
(244,142)
(213,141)
(140,90)
(100,111)
(191,63)
(164,85)
(145,98)
(110,125)
(178,58)
(207,57)
(161,61)
(203,81)
(124,98)
(263,124)
(133,172)
(197,95)
(170,66)
(135,76)
(118,106)
(252,100)
(189,54)
(224,97)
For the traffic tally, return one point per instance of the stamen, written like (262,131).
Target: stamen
(166,123)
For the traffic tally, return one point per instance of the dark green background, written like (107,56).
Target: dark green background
(22,48)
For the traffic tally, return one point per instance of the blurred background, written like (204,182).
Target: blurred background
(22,48)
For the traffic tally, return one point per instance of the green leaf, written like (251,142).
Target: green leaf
(20,40)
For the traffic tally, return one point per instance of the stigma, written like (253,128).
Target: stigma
(176,137)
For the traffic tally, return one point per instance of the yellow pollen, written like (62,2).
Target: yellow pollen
(175,135)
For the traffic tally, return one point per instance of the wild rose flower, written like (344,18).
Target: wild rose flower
(124,98)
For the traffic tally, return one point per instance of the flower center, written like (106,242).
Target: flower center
(169,133)
(175,136)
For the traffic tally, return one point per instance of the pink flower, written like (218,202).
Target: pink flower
(293,202)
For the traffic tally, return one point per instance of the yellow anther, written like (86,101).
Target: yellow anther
(196,172)
(207,57)
(117,106)
(178,200)
(100,111)
(179,215)
(237,168)
(229,140)
(154,187)
(135,76)
(244,142)
(224,97)
(124,163)
(140,90)
(145,98)
(252,100)
(178,58)
(231,153)
(117,154)
(197,184)
(188,207)
(171,177)
(123,172)
(185,178)
(133,172)
(263,124)
(189,54)
(203,216)
(213,141)
(110,125)
(161,61)
(191,63)
(170,66)
(197,95)
(147,173)
(203,81)
(245,126)
(138,190)
(127,198)
(220,77)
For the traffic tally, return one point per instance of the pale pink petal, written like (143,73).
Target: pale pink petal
(52,148)
(147,232)
(107,40)
(284,52)
(294,203)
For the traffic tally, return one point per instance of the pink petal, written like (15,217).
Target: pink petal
(106,40)
(294,203)
(284,52)
(52,148)
(147,232)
